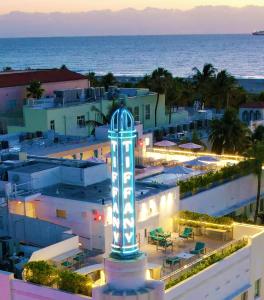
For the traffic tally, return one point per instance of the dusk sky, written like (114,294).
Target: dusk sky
(86,5)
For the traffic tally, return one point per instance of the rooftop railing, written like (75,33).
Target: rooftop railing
(203,262)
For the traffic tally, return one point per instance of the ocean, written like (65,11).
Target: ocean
(241,55)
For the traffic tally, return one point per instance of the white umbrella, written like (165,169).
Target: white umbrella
(190,146)
(165,143)
(179,170)
(208,158)
(195,163)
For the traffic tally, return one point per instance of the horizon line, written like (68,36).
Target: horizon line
(119,35)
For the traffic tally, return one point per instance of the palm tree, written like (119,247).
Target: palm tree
(108,80)
(223,85)
(34,90)
(160,79)
(229,134)
(105,118)
(258,134)
(203,81)
(257,154)
(92,79)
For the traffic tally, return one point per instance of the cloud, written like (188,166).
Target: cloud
(200,20)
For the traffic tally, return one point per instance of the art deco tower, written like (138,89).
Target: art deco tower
(122,135)
(125,268)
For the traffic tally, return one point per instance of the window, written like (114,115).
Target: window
(52,125)
(136,113)
(244,296)
(60,213)
(147,115)
(257,289)
(81,121)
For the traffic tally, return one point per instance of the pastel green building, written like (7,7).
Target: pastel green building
(70,117)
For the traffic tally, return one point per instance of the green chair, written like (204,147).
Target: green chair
(154,237)
(162,233)
(187,233)
(66,264)
(199,248)
(165,244)
(172,261)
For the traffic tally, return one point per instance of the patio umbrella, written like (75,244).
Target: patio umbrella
(179,170)
(95,160)
(195,163)
(208,158)
(190,146)
(165,143)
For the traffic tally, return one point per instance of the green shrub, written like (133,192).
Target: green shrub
(75,283)
(44,273)
(41,272)
(194,216)
(193,184)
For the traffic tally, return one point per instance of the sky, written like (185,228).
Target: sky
(7,6)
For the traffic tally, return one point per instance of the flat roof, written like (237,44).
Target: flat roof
(99,192)
(34,167)
(22,78)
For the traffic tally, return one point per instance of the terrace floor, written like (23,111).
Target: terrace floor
(158,257)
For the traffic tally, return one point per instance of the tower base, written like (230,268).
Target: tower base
(126,279)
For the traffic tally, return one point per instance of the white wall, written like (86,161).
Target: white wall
(13,289)
(35,231)
(95,174)
(49,252)
(79,218)
(217,282)
(218,200)
(151,212)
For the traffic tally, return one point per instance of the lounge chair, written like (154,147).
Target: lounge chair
(199,248)
(187,233)
(162,233)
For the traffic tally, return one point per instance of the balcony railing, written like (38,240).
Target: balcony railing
(203,262)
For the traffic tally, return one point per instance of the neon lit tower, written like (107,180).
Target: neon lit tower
(123,135)
(125,268)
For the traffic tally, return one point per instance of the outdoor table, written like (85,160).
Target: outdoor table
(185,256)
(180,242)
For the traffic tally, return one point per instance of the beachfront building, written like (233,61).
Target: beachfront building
(13,89)
(74,113)
(52,144)
(252,114)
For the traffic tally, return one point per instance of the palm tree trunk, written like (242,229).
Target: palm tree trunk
(156,109)
(258,198)
(170,108)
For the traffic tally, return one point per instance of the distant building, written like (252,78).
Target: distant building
(71,112)
(13,86)
(252,114)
